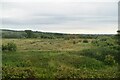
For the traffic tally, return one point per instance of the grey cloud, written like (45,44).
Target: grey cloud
(57,20)
(60,15)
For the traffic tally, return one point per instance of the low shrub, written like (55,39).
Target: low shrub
(18,72)
(74,42)
(85,41)
(109,60)
(9,47)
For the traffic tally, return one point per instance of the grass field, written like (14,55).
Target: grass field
(54,58)
(49,44)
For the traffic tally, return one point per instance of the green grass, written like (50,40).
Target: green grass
(54,58)
(48,44)
(47,64)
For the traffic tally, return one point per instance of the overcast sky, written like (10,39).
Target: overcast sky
(68,16)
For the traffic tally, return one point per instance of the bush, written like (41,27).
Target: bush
(9,47)
(85,41)
(74,42)
(109,60)
(18,72)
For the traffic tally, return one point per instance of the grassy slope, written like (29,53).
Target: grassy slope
(53,58)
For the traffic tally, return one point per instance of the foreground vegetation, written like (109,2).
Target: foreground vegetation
(50,64)
(61,58)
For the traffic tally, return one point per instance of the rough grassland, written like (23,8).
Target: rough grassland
(53,58)
(49,44)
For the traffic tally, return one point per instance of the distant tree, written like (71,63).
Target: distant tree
(29,33)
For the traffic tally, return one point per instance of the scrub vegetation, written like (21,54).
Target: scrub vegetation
(35,55)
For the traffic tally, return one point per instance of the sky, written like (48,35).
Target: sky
(62,16)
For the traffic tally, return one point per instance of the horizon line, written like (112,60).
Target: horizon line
(59,32)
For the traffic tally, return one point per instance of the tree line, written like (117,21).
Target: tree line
(45,35)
